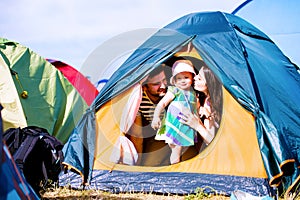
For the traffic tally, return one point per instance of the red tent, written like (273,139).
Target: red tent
(86,89)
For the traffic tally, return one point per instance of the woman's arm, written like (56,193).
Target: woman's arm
(156,122)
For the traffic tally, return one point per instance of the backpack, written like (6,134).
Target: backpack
(37,154)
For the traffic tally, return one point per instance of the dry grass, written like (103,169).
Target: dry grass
(66,193)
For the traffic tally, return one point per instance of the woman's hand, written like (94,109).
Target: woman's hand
(190,119)
(204,111)
(193,121)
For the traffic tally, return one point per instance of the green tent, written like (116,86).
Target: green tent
(34,93)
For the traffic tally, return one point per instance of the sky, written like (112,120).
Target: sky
(70,30)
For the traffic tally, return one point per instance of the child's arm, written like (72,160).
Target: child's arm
(156,122)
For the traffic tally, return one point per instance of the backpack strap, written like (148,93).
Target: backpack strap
(53,142)
(24,150)
(56,147)
(17,138)
(44,173)
(35,130)
(32,134)
(13,138)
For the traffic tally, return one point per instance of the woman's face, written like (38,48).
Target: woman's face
(200,82)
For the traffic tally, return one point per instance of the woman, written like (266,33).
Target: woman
(210,98)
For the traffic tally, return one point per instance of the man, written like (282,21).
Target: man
(151,152)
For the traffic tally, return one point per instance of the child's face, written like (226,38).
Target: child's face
(184,80)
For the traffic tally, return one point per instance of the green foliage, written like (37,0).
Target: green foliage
(200,194)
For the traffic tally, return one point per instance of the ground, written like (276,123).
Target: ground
(64,193)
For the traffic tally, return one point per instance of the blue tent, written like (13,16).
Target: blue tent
(261,112)
(278,19)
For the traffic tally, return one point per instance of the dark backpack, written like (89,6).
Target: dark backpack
(37,154)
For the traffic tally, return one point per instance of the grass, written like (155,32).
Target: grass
(68,193)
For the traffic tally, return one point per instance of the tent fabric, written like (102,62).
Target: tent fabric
(1,130)
(278,19)
(52,102)
(13,184)
(166,182)
(251,68)
(13,112)
(125,149)
(86,89)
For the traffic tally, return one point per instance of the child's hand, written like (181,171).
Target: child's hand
(156,123)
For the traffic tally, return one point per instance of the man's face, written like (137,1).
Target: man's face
(157,85)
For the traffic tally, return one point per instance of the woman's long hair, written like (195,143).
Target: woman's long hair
(216,95)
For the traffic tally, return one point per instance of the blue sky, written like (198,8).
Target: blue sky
(71,30)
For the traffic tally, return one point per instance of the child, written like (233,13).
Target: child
(178,97)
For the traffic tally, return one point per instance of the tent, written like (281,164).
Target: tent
(256,146)
(86,89)
(34,93)
(12,182)
(278,19)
